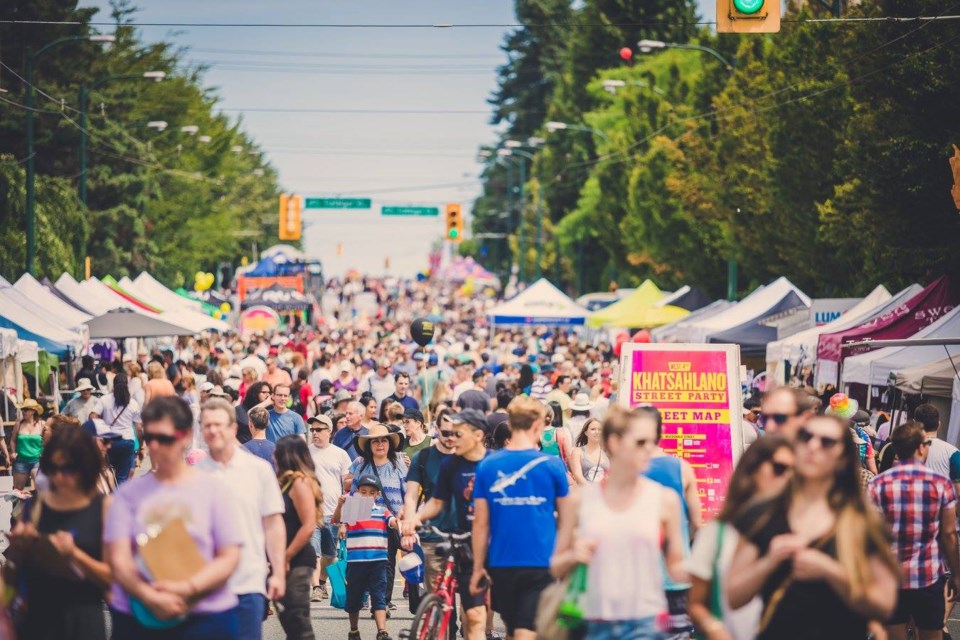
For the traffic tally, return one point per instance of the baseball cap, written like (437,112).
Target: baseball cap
(433,359)
(342,395)
(479,373)
(368,362)
(368,480)
(471,417)
(206,387)
(322,420)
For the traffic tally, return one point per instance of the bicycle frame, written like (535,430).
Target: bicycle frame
(446,589)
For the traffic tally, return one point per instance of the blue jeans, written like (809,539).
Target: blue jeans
(250,612)
(643,629)
(121,456)
(366,577)
(198,626)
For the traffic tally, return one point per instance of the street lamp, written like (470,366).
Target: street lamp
(611,86)
(159,125)
(31,167)
(648,46)
(156,76)
(553,126)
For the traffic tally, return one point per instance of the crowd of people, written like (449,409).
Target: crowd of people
(198,488)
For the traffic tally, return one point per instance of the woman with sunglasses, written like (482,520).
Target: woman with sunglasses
(624,528)
(174,496)
(762,473)
(65,594)
(816,554)
(588,461)
(258,395)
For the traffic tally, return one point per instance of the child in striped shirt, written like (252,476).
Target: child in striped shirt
(367,558)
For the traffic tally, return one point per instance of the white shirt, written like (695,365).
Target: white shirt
(257,492)
(741,623)
(941,459)
(119,420)
(332,464)
(466,385)
(318,376)
(379,387)
(80,408)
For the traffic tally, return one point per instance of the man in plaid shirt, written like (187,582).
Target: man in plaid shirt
(920,507)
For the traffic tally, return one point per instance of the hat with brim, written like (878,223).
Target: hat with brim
(377,431)
(30,404)
(342,396)
(321,420)
(218,392)
(471,417)
(581,403)
(842,406)
(84,384)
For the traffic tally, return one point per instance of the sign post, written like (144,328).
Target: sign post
(696,387)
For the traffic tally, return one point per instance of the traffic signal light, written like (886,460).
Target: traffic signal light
(748,16)
(454,222)
(955,167)
(290,226)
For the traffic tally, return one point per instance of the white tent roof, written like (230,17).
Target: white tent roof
(755,305)
(931,378)
(540,303)
(804,344)
(30,287)
(281,253)
(69,287)
(179,315)
(35,319)
(874,368)
(670,332)
(8,343)
(28,350)
(167,299)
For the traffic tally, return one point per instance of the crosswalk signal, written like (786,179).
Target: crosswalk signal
(290,225)
(748,16)
(454,222)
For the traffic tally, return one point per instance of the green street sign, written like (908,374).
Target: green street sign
(410,211)
(336,203)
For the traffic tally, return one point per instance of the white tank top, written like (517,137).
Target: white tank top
(624,580)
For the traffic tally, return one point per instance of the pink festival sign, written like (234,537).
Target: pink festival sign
(697,390)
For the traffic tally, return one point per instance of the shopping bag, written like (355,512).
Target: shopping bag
(560,611)
(337,574)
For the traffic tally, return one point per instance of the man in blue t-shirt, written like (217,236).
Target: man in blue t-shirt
(454,488)
(284,422)
(516,493)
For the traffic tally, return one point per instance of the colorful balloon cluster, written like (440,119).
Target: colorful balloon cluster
(202,281)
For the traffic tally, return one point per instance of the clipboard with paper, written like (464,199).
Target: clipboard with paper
(169,552)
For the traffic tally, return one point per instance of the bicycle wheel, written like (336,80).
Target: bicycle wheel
(428,619)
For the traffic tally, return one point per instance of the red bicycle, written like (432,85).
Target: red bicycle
(432,620)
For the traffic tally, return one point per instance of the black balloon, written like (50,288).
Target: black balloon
(421,331)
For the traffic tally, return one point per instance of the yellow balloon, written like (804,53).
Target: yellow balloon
(225,307)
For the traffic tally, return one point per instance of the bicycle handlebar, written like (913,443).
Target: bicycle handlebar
(456,537)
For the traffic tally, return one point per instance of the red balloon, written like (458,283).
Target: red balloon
(622,337)
(626,54)
(642,336)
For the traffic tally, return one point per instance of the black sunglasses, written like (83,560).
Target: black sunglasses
(447,434)
(826,442)
(779,418)
(66,468)
(780,468)
(159,438)
(318,429)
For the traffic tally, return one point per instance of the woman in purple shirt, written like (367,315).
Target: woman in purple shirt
(201,606)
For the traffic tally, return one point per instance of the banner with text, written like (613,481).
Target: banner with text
(697,390)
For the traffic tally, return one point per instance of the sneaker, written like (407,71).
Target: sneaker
(316,595)
(324,594)
(383,635)
(353,635)
(391,606)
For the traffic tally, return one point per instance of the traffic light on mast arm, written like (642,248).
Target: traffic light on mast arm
(290,227)
(748,16)
(454,222)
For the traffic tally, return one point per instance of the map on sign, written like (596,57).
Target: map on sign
(337,203)
(410,211)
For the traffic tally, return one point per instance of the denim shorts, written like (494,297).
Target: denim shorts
(22,466)
(324,539)
(642,629)
(366,577)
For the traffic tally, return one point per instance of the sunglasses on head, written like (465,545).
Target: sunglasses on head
(826,442)
(159,438)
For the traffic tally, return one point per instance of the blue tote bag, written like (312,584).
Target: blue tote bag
(337,574)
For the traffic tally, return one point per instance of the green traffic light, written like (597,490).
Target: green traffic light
(454,234)
(748,6)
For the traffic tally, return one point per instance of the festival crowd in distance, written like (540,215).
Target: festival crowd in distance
(195,489)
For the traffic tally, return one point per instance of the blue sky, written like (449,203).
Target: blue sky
(362,77)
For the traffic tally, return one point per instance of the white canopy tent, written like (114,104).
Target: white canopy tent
(953,429)
(31,287)
(874,368)
(155,290)
(539,304)
(802,347)
(177,314)
(671,332)
(754,306)
(75,291)
(34,319)
(931,378)
(10,377)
